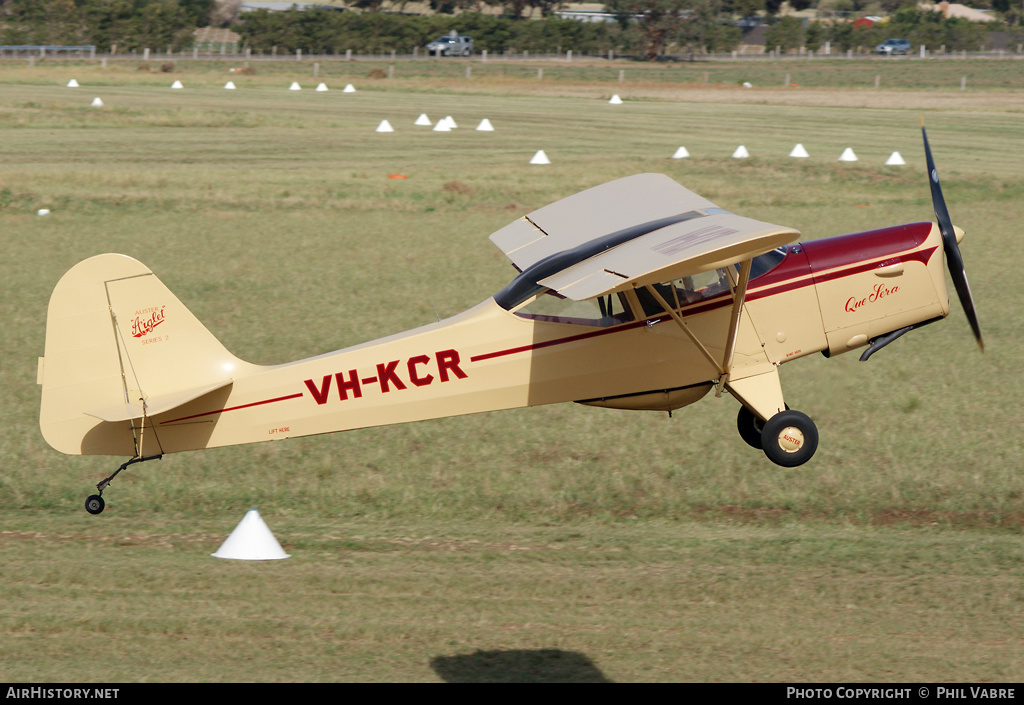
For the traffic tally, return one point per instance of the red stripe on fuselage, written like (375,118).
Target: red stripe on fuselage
(559,341)
(234,408)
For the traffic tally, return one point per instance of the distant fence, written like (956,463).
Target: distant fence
(44,49)
(231,51)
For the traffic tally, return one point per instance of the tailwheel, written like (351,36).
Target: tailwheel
(789,438)
(94,504)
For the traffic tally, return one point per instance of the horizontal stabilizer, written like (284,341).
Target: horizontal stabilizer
(135,409)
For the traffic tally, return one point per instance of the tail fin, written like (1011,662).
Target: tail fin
(120,347)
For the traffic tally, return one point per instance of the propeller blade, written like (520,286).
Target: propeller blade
(954,261)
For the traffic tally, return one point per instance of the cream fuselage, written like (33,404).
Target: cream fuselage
(830,295)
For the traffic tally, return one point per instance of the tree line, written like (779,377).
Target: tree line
(646,29)
(327,32)
(919,27)
(129,24)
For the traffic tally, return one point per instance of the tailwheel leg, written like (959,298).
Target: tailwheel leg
(789,438)
(95,504)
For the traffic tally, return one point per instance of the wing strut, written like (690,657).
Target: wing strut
(739,293)
(682,324)
(738,283)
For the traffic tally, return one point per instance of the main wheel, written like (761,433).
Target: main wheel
(94,504)
(750,427)
(789,438)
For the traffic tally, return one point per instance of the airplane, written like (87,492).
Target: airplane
(637,294)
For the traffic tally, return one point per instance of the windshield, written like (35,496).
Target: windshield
(762,264)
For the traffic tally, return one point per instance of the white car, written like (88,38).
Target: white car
(451,45)
(893,46)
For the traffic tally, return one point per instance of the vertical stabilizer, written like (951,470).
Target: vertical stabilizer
(121,347)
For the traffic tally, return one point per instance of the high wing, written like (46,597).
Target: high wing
(629,233)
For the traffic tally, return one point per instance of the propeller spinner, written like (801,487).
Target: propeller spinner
(953,259)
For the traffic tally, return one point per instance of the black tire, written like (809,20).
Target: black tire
(750,427)
(789,438)
(94,504)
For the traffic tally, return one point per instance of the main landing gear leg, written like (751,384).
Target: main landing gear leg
(95,504)
(788,438)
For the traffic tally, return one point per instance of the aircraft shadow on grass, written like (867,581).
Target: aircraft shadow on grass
(518,666)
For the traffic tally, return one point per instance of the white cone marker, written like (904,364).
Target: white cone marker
(251,540)
(895,159)
(540,158)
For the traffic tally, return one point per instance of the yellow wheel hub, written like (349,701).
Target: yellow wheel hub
(791,439)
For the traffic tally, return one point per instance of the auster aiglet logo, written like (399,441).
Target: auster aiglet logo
(146,320)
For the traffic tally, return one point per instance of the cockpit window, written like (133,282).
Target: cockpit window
(704,285)
(544,304)
(685,291)
(602,311)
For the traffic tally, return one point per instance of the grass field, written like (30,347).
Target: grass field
(556,543)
